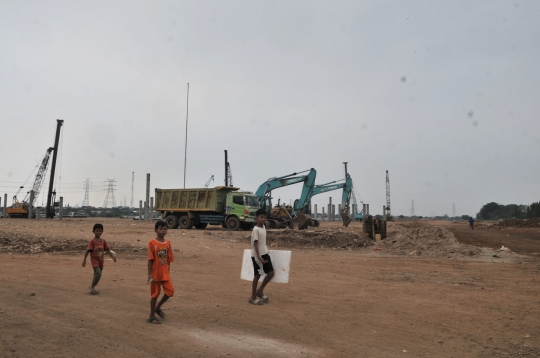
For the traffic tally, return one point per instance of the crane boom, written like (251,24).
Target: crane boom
(40,177)
(209,180)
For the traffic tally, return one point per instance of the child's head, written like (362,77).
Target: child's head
(161,228)
(261,216)
(97,230)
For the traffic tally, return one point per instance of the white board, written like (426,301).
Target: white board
(281,261)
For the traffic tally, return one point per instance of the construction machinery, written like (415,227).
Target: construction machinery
(22,209)
(200,207)
(207,184)
(297,220)
(357,215)
(388,210)
(304,203)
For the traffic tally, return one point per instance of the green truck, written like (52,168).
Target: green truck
(222,205)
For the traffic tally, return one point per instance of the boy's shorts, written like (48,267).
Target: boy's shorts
(267,267)
(155,288)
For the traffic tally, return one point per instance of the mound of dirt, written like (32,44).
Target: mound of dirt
(534,222)
(316,239)
(34,244)
(427,241)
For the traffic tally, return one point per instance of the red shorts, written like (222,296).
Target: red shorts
(155,288)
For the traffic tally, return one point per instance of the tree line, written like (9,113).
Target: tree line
(495,211)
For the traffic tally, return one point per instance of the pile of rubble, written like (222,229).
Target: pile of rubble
(534,222)
(338,239)
(430,241)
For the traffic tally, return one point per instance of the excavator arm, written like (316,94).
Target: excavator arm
(300,221)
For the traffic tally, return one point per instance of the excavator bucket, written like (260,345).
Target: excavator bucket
(346,219)
(300,221)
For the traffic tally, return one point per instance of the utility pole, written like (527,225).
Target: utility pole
(388,210)
(50,205)
(185,147)
(132,185)
(147,202)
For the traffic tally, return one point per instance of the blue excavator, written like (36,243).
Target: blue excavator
(276,219)
(303,205)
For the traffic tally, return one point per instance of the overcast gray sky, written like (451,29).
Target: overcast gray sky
(444,95)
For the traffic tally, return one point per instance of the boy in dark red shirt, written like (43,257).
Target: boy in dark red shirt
(160,256)
(97,247)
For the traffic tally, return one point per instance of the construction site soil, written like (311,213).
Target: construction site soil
(431,288)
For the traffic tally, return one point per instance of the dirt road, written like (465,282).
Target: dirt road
(338,303)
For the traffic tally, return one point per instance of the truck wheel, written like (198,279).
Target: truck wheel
(201,226)
(247,227)
(233,223)
(172,221)
(185,222)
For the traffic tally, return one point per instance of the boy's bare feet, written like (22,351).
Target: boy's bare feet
(153,320)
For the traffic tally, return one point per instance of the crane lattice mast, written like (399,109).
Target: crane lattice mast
(207,184)
(38,182)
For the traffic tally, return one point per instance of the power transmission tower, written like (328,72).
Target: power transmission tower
(86,201)
(132,184)
(109,198)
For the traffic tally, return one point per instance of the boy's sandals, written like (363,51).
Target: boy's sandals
(255,302)
(153,320)
(264,298)
(160,313)
(93,291)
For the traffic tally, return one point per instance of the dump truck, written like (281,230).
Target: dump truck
(200,207)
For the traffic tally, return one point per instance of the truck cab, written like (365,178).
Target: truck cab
(242,205)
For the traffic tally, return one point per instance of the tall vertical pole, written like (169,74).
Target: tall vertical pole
(185,147)
(315,211)
(140,210)
(146,208)
(132,185)
(38,213)
(152,209)
(30,207)
(50,206)
(61,208)
(346,172)
(323,213)
(5,206)
(226,163)
(333,212)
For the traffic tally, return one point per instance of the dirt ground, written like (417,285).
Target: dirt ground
(347,296)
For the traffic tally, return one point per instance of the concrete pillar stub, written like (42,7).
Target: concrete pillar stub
(61,208)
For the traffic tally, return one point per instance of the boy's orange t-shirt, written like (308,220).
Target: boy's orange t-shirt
(162,254)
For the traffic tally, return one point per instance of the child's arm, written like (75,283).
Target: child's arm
(150,279)
(111,255)
(85,256)
(256,246)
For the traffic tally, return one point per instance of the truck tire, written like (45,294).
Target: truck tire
(172,221)
(233,223)
(201,226)
(247,227)
(185,222)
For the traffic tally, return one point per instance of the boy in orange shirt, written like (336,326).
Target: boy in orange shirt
(97,247)
(160,256)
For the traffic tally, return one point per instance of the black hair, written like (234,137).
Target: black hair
(97,226)
(260,212)
(160,223)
